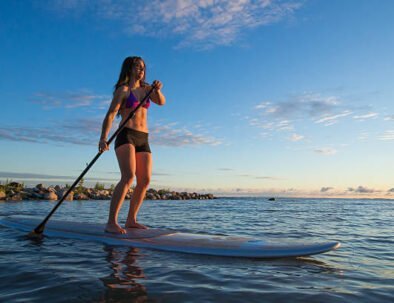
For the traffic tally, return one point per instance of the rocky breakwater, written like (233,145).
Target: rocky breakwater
(15,191)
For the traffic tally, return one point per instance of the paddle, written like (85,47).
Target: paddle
(37,232)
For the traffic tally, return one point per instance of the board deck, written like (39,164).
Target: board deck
(169,240)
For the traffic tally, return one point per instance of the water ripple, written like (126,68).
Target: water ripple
(64,270)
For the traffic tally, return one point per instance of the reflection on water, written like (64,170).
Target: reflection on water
(122,282)
(318,266)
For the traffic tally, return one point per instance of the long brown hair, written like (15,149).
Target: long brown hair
(127,72)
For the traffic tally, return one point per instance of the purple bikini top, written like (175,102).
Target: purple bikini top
(132,101)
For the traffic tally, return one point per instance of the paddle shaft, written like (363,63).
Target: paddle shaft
(40,228)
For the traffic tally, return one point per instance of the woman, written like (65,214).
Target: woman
(131,145)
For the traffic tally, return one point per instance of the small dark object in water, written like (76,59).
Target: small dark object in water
(271,199)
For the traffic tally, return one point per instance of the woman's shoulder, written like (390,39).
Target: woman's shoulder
(122,90)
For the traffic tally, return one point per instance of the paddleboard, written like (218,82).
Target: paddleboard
(169,240)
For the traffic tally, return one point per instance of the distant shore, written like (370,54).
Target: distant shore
(14,191)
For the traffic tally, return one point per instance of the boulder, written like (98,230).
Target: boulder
(2,195)
(50,196)
(51,189)
(40,186)
(164,197)
(81,196)
(16,197)
(37,196)
(150,196)
(27,194)
(62,192)
(152,191)
(100,195)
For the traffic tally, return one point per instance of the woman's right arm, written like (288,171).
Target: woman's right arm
(116,102)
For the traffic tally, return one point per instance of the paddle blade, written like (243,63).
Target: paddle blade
(37,233)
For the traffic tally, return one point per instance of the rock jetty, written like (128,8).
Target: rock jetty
(15,191)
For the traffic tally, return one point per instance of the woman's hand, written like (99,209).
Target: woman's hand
(103,146)
(157,85)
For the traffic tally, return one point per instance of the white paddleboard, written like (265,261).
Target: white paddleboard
(169,240)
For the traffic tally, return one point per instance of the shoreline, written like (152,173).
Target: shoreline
(14,191)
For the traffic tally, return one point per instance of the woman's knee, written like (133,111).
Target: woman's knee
(143,182)
(127,181)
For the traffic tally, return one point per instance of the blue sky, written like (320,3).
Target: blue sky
(284,98)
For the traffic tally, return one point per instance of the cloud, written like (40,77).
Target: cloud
(326,189)
(296,137)
(363,136)
(268,178)
(391,190)
(389,118)
(299,110)
(259,177)
(366,116)
(326,151)
(40,177)
(70,100)
(362,190)
(86,131)
(172,135)
(388,135)
(42,135)
(283,116)
(298,106)
(203,23)
(330,120)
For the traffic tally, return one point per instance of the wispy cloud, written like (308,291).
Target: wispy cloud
(296,137)
(326,189)
(70,100)
(362,190)
(171,134)
(330,120)
(43,135)
(297,111)
(311,104)
(367,116)
(388,135)
(259,177)
(326,151)
(198,23)
(389,118)
(284,115)
(40,177)
(86,131)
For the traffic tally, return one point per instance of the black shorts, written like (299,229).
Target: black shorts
(134,137)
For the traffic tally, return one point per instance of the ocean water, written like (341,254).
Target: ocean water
(64,270)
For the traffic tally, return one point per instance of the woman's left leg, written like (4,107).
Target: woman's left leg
(143,174)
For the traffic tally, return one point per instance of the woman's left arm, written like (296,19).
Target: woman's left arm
(157,96)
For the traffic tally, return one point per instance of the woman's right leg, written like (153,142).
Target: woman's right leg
(126,159)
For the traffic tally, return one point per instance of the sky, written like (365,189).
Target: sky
(288,98)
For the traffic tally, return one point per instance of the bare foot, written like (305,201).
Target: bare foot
(114,229)
(136,225)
